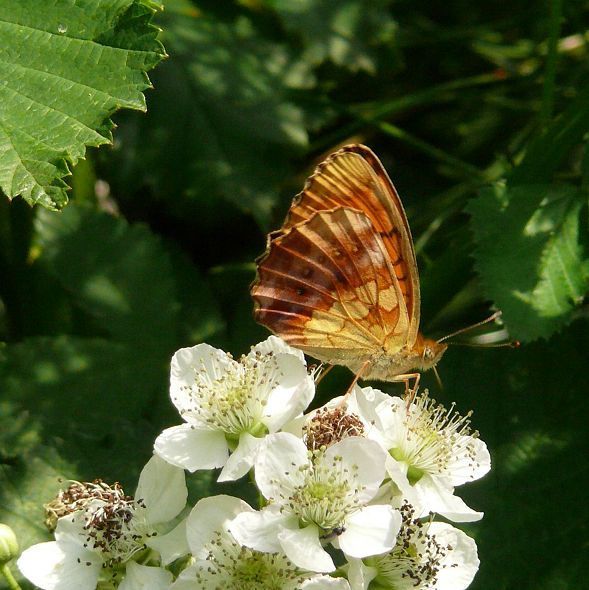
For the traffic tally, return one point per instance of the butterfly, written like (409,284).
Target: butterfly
(339,280)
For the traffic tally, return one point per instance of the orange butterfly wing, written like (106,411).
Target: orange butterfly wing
(354,177)
(326,286)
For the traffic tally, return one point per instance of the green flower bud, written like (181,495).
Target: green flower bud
(8,544)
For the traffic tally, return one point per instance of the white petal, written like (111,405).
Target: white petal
(200,570)
(172,545)
(397,471)
(192,448)
(460,565)
(370,531)
(142,577)
(360,575)
(70,530)
(186,363)
(365,461)
(210,516)
(368,400)
(390,423)
(242,458)
(291,396)
(277,345)
(296,425)
(472,465)
(277,464)
(55,566)
(259,530)
(162,489)
(325,583)
(437,497)
(303,548)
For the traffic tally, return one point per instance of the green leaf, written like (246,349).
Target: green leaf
(529,255)
(240,126)
(86,397)
(348,32)
(68,66)
(27,480)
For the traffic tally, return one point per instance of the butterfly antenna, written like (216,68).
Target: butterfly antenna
(491,318)
(511,344)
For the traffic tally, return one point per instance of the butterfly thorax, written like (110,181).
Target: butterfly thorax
(386,365)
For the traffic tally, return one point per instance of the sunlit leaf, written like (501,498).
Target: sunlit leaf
(66,68)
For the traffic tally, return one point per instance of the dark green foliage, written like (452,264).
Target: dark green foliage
(480,112)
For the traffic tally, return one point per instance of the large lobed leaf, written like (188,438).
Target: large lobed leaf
(68,66)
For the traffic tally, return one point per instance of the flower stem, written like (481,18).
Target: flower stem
(12,584)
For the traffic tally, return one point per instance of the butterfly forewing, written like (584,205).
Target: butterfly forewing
(326,286)
(353,177)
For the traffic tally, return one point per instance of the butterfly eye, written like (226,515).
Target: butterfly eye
(428,353)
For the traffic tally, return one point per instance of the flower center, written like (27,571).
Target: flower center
(234,567)
(112,520)
(434,437)
(235,401)
(116,528)
(328,494)
(415,560)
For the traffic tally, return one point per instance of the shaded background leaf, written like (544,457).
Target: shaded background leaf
(91,395)
(347,32)
(240,124)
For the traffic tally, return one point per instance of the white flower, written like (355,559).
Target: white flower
(230,406)
(103,531)
(221,562)
(317,497)
(427,556)
(430,449)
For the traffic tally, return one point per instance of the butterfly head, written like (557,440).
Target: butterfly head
(429,352)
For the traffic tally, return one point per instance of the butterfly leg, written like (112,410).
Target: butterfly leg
(410,392)
(357,376)
(320,372)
